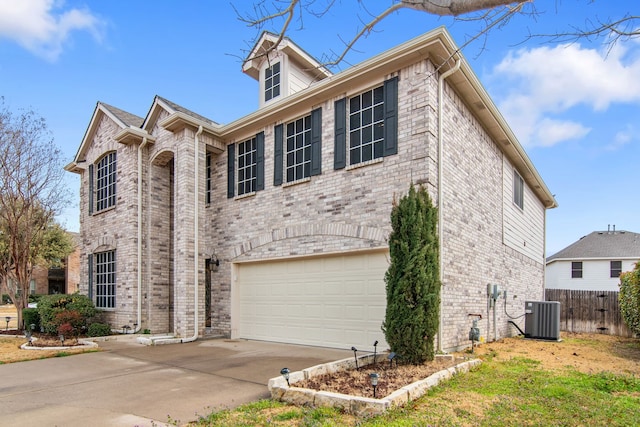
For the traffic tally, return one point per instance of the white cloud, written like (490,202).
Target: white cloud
(622,138)
(546,82)
(41,27)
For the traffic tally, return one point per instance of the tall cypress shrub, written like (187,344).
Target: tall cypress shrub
(412,280)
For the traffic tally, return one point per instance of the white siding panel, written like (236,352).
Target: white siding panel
(595,275)
(523,229)
(331,301)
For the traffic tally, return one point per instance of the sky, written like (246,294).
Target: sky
(573,105)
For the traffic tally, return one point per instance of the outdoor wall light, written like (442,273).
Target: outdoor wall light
(355,355)
(374,381)
(285,373)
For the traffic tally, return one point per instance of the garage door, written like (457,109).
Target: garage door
(336,301)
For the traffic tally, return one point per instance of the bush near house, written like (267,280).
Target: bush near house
(56,310)
(31,317)
(98,330)
(412,280)
(629,298)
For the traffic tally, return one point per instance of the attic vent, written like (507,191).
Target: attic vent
(542,320)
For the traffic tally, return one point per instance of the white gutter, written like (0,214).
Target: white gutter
(140,147)
(441,79)
(162,340)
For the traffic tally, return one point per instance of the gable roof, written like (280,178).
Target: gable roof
(120,117)
(602,244)
(263,47)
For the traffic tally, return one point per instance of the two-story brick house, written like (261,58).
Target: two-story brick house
(274,227)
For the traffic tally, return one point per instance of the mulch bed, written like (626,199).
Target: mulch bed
(358,383)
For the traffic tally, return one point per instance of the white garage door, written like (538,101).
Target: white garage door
(335,301)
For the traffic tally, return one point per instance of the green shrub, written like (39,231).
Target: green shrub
(98,330)
(30,316)
(6,299)
(49,306)
(412,280)
(629,298)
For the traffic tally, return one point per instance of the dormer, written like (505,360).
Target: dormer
(281,70)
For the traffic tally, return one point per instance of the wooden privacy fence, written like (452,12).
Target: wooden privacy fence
(589,311)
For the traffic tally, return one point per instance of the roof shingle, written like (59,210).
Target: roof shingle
(602,244)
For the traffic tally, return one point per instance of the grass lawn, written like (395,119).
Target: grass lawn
(515,388)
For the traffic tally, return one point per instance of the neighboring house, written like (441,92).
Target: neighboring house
(57,280)
(594,262)
(274,227)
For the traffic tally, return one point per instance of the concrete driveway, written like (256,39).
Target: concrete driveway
(129,384)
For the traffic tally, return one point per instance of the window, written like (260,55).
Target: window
(298,149)
(616,268)
(105,279)
(207,195)
(576,270)
(272,82)
(366,126)
(106,182)
(32,287)
(370,126)
(518,190)
(249,165)
(247,157)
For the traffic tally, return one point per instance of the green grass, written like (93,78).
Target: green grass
(514,393)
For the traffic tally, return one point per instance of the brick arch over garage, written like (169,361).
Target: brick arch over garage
(349,231)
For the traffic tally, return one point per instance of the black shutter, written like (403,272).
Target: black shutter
(390,117)
(340,141)
(231,170)
(90,193)
(90,275)
(278,155)
(316,142)
(260,161)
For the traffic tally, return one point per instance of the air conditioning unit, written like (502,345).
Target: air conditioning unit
(542,320)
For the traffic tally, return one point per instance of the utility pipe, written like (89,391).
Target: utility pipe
(196,171)
(441,79)
(140,147)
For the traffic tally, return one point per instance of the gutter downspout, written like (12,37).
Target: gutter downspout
(441,79)
(196,171)
(139,266)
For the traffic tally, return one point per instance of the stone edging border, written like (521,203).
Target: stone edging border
(83,344)
(360,406)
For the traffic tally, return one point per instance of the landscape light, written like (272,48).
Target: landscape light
(374,381)
(285,373)
(355,355)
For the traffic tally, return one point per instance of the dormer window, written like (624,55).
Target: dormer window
(272,82)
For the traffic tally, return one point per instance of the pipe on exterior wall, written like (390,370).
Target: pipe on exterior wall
(441,79)
(196,251)
(139,266)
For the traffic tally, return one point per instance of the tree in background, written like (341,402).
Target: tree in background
(629,298)
(488,14)
(31,194)
(412,280)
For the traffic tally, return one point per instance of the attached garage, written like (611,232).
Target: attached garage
(327,301)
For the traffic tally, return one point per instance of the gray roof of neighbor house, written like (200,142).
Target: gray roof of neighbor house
(602,244)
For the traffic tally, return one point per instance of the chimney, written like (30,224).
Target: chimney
(608,228)
(614,228)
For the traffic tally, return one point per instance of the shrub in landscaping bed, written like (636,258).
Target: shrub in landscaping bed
(31,317)
(50,308)
(98,330)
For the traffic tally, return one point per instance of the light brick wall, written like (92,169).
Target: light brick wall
(337,211)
